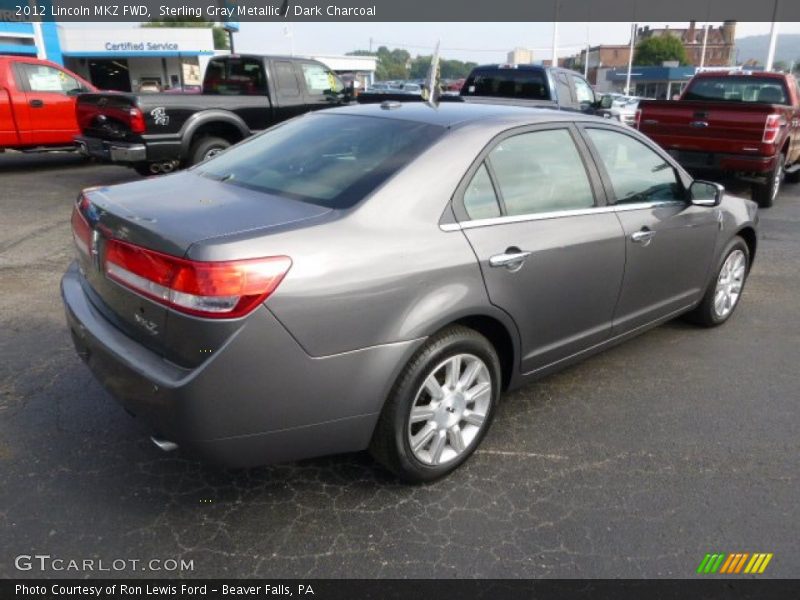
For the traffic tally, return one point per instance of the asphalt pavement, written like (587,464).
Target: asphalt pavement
(635,463)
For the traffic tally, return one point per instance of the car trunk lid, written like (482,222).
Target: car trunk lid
(168,215)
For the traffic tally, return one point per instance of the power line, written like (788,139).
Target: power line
(493,50)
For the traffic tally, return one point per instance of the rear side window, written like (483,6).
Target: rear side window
(738,89)
(287,82)
(507,83)
(480,201)
(637,173)
(541,171)
(235,77)
(320,80)
(330,160)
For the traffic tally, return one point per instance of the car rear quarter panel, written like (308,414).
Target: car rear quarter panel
(383,272)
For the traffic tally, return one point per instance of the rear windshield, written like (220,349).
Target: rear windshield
(738,89)
(325,159)
(235,77)
(507,83)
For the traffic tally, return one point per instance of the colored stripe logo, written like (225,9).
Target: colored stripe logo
(734,563)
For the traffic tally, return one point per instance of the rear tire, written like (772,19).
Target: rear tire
(440,408)
(765,193)
(725,289)
(205,148)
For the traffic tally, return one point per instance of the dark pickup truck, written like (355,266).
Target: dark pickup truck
(732,123)
(520,85)
(242,94)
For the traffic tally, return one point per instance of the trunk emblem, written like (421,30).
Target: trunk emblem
(94,248)
(150,326)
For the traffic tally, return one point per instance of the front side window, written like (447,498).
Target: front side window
(329,160)
(320,80)
(541,171)
(42,78)
(637,173)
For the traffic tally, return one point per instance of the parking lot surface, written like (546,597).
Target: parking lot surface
(635,463)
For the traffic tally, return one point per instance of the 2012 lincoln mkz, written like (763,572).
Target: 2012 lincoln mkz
(376,276)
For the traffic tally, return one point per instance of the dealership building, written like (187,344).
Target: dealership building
(124,59)
(129,59)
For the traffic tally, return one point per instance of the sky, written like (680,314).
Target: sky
(477,42)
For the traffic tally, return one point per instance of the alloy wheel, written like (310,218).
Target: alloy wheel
(729,283)
(450,409)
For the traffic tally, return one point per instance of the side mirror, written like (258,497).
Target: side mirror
(706,193)
(606,101)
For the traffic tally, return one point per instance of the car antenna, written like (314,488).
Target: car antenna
(430,92)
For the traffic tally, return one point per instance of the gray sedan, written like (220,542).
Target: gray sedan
(375,276)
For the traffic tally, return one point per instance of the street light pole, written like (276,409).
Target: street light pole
(586,61)
(630,60)
(773,38)
(705,42)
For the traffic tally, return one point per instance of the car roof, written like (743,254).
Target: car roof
(453,114)
(511,67)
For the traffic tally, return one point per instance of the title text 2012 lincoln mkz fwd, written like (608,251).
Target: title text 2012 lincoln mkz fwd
(375,276)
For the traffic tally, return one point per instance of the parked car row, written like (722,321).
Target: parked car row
(738,122)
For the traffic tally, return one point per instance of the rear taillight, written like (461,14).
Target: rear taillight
(136,119)
(637,120)
(219,290)
(771,128)
(81,232)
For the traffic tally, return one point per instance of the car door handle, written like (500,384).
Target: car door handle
(511,258)
(36,103)
(643,237)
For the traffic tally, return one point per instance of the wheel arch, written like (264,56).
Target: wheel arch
(748,234)
(501,332)
(226,125)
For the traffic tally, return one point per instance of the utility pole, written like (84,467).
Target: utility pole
(773,38)
(370,45)
(630,60)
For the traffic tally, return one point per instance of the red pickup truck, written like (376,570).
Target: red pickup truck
(37,104)
(732,122)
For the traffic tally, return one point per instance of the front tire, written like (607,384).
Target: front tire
(440,408)
(725,290)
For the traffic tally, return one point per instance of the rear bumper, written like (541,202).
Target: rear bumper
(716,161)
(153,149)
(258,399)
(119,152)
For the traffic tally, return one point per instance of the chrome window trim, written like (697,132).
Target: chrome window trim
(558,214)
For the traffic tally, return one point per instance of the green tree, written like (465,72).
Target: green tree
(653,51)
(448,69)
(392,64)
(221,39)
